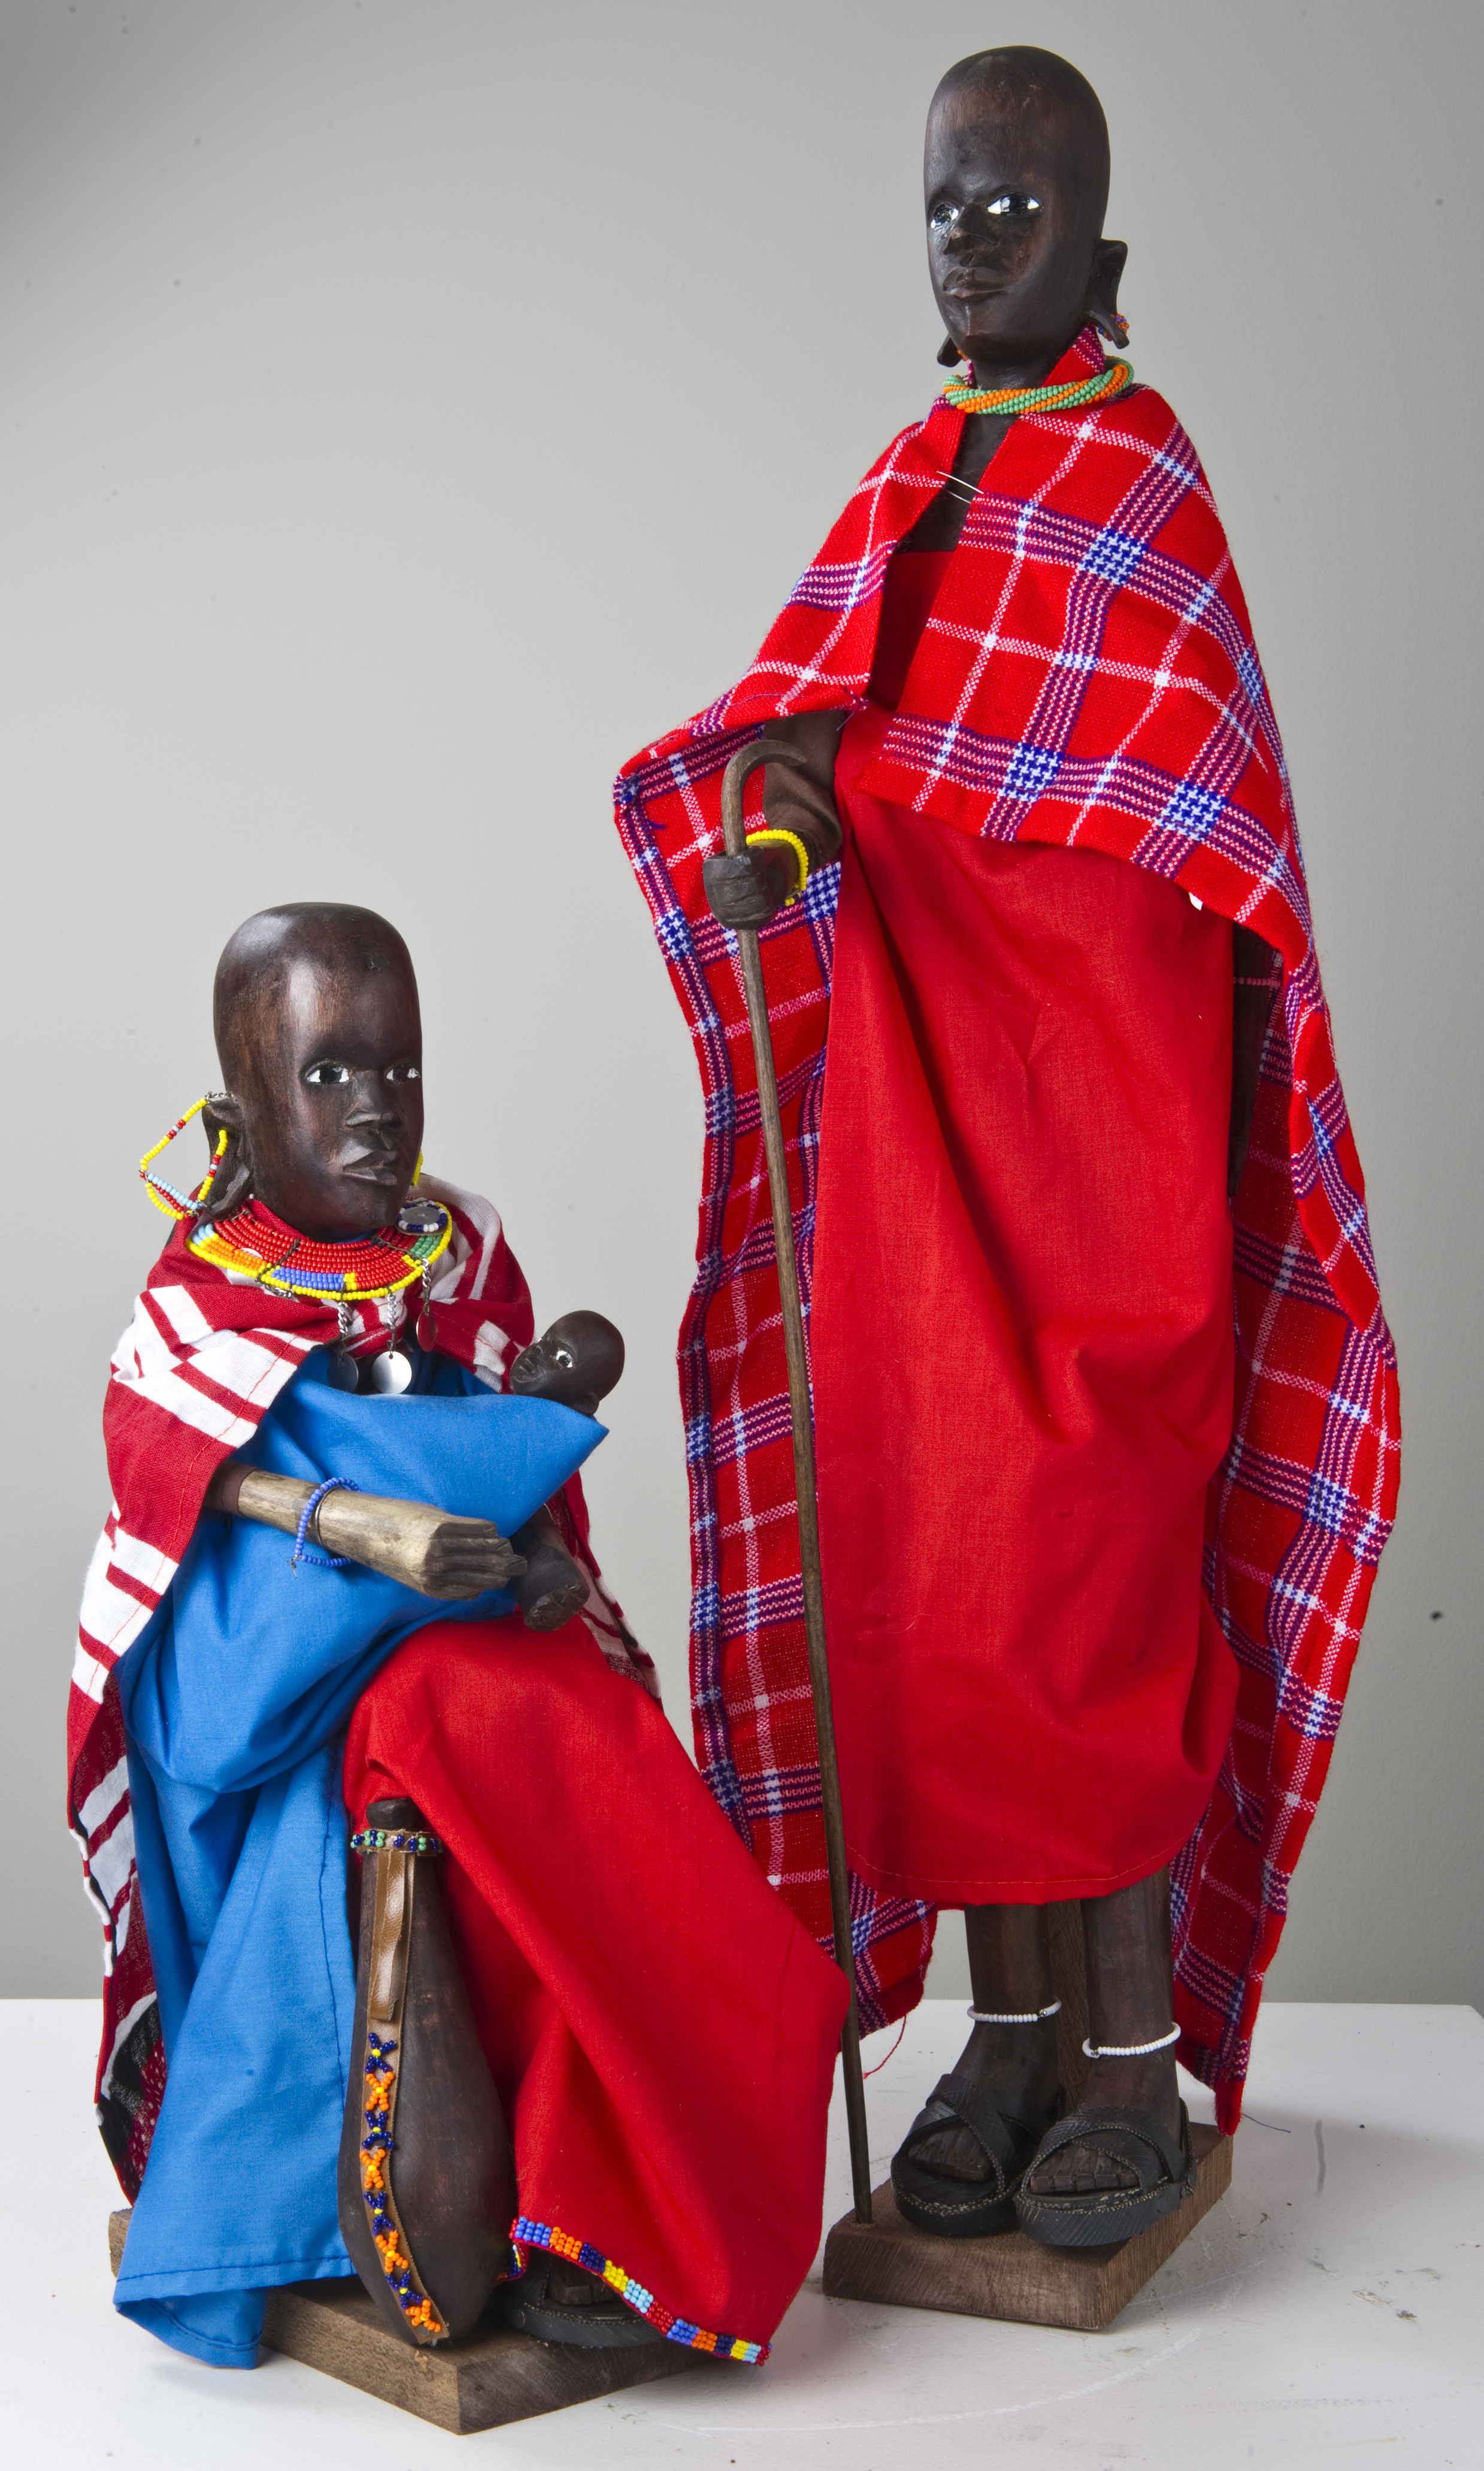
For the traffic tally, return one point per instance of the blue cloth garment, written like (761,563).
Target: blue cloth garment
(235,1699)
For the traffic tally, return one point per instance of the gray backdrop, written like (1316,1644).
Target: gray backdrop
(406,411)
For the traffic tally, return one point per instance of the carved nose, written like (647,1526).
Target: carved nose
(975,227)
(372,1100)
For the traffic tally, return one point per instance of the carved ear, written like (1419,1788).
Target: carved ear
(949,353)
(1101,305)
(232,1180)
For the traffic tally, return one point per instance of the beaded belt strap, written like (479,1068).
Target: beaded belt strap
(395,1840)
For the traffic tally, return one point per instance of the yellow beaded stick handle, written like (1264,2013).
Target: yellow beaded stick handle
(736,837)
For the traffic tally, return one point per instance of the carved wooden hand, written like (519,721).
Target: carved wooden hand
(797,798)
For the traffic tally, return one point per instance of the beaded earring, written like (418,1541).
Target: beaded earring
(182,1204)
(1109,322)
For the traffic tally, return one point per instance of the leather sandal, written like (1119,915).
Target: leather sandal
(1006,2136)
(1103,2217)
(603,2324)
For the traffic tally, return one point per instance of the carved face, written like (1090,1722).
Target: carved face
(576,1362)
(333,1107)
(1014,188)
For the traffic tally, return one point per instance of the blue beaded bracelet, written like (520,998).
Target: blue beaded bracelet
(301,1552)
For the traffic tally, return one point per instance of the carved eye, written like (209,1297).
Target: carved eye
(564,1357)
(1013,202)
(943,217)
(324,1076)
(403,1073)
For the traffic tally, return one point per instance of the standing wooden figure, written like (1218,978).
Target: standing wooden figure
(1106,1408)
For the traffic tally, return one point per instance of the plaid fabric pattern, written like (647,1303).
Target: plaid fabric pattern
(1088,679)
(192,1378)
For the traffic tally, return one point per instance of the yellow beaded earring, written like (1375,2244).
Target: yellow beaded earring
(180,1205)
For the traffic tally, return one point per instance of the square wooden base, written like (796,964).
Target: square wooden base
(486,2381)
(1013,2276)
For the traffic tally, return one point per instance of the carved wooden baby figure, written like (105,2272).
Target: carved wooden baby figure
(578,1362)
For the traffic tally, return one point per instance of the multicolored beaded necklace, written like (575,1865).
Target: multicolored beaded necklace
(251,1245)
(963,395)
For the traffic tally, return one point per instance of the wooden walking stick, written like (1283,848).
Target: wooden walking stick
(734,837)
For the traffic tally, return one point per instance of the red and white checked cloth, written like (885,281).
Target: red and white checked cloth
(193,1376)
(1088,679)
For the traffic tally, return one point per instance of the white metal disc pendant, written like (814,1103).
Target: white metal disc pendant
(390,1374)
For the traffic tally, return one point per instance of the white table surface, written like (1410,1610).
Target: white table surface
(1328,2312)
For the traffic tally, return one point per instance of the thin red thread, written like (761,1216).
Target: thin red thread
(892,2053)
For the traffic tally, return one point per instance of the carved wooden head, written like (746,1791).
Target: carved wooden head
(320,1044)
(1015,173)
(578,1362)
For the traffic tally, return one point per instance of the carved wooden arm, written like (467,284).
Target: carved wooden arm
(432,1550)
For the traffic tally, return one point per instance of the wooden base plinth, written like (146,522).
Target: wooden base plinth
(1013,2276)
(486,2381)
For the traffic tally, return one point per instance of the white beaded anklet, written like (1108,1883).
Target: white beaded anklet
(1034,2016)
(1129,2050)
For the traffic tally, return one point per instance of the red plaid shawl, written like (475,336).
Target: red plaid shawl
(1088,679)
(193,1376)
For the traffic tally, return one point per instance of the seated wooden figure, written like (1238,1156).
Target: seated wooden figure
(1105,1406)
(589,2052)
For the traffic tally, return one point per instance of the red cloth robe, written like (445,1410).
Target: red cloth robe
(661,2028)
(1090,682)
(1022,1344)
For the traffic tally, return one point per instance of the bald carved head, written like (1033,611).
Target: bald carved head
(1016,180)
(576,1362)
(319,1039)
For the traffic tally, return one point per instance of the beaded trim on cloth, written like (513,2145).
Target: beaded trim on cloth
(675,2329)
(376,2145)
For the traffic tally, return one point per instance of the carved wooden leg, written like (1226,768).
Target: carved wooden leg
(1128,2000)
(426,2182)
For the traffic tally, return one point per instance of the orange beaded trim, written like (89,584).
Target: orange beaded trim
(376,2145)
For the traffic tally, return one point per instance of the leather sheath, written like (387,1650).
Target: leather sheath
(426,2182)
